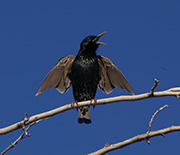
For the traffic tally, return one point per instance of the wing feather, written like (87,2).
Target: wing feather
(111,76)
(58,76)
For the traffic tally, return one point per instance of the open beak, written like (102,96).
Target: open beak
(99,36)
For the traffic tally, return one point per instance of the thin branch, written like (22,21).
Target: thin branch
(23,135)
(154,86)
(149,128)
(136,139)
(18,139)
(152,118)
(170,92)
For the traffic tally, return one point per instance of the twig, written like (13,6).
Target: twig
(152,118)
(170,92)
(149,128)
(154,86)
(19,138)
(136,139)
(22,135)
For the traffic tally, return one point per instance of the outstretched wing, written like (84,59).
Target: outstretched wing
(111,76)
(58,76)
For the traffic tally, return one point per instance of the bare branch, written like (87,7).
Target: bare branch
(23,135)
(152,89)
(149,128)
(152,118)
(170,92)
(19,138)
(136,139)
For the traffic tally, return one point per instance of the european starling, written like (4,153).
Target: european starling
(85,72)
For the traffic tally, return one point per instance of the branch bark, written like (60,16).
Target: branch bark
(152,118)
(18,139)
(135,139)
(23,135)
(170,92)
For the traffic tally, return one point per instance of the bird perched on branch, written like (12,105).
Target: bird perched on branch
(85,72)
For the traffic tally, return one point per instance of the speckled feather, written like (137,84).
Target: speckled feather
(85,72)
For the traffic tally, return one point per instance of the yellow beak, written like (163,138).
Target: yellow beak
(97,38)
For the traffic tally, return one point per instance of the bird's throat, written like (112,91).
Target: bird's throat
(87,53)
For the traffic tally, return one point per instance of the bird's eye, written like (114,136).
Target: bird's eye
(88,42)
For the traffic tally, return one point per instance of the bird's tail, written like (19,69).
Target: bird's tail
(84,115)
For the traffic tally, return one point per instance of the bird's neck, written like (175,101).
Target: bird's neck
(87,53)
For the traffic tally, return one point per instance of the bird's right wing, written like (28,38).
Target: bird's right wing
(58,76)
(111,76)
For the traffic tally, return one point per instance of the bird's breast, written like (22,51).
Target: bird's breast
(85,78)
(85,67)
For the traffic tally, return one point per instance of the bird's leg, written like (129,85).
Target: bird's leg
(95,101)
(74,102)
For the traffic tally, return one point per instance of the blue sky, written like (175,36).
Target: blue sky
(143,40)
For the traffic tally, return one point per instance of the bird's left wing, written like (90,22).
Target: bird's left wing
(58,76)
(111,76)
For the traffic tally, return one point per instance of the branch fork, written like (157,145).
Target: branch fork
(23,126)
(38,117)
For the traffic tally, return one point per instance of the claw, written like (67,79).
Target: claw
(95,101)
(73,103)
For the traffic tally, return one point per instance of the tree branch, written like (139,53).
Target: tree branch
(36,118)
(136,139)
(170,92)
(23,135)
(18,139)
(146,136)
(155,85)
(152,118)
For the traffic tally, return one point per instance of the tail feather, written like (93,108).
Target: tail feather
(84,115)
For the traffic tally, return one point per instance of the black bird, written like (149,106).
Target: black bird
(85,72)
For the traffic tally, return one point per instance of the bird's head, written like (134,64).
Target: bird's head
(91,42)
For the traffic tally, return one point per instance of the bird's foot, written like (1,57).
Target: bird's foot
(73,103)
(95,101)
